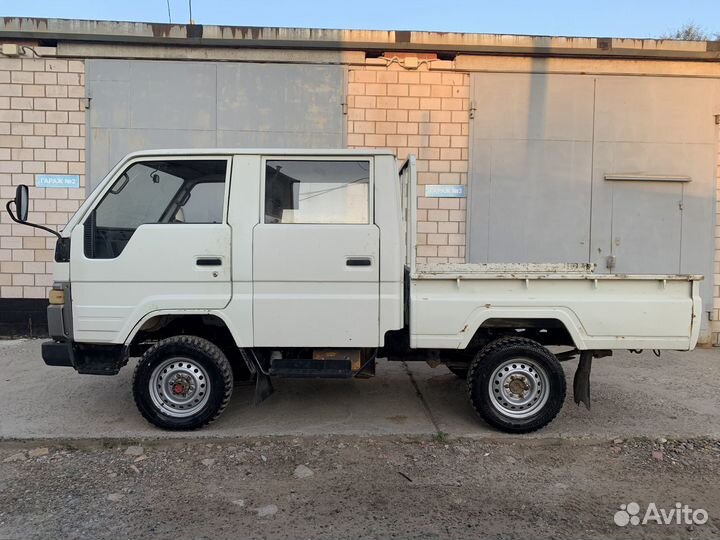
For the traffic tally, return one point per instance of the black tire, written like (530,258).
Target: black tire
(459,372)
(541,376)
(190,351)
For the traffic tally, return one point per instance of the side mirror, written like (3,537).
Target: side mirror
(20,213)
(22,203)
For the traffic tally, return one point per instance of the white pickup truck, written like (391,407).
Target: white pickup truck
(215,264)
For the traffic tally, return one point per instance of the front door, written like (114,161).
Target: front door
(316,255)
(157,240)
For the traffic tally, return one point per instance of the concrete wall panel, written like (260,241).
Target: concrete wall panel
(170,104)
(530,166)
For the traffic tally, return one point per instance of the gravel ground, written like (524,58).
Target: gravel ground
(336,487)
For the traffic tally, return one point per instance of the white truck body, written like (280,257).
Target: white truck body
(287,285)
(310,250)
(599,311)
(450,302)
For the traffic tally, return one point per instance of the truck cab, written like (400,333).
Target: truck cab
(209,265)
(286,249)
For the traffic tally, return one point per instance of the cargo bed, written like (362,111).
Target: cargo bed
(449,303)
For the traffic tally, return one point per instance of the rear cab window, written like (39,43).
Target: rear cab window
(317,191)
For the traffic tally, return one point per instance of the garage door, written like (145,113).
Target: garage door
(618,171)
(531,158)
(648,128)
(137,105)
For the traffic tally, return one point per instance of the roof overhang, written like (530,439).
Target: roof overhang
(65,30)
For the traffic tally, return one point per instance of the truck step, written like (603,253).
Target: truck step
(311,369)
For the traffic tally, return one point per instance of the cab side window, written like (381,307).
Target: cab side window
(317,191)
(168,191)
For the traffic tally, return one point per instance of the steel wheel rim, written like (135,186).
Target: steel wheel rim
(179,387)
(519,388)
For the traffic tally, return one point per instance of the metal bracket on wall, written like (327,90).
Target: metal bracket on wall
(472,110)
(642,177)
(86,102)
(344,106)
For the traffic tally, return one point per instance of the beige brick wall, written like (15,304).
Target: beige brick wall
(42,130)
(425,113)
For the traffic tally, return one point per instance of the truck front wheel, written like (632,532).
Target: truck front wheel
(516,385)
(182,383)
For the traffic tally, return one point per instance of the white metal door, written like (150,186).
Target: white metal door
(181,262)
(317,283)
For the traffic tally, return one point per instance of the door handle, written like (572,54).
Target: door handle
(208,261)
(358,261)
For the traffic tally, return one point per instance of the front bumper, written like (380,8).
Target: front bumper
(60,315)
(88,359)
(55,353)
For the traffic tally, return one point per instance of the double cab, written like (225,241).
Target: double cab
(219,264)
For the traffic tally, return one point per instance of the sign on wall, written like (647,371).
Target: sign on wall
(443,191)
(57,180)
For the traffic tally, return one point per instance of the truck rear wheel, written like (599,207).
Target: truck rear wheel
(182,383)
(516,385)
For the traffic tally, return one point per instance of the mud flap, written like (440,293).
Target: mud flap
(263,387)
(263,384)
(581,383)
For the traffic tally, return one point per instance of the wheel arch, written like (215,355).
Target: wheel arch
(187,318)
(202,323)
(485,319)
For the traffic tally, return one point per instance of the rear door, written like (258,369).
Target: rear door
(157,240)
(316,254)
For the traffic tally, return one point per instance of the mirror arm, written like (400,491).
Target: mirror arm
(16,220)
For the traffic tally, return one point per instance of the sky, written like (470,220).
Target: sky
(604,18)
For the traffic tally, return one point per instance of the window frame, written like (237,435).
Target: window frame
(144,159)
(319,157)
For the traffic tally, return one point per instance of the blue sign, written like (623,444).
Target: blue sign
(57,180)
(453,192)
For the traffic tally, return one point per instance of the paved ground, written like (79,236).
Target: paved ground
(672,396)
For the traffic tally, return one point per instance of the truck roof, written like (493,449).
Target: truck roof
(263,151)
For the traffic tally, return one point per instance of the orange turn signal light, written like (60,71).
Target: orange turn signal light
(57,297)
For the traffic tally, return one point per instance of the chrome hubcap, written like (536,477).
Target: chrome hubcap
(179,387)
(519,388)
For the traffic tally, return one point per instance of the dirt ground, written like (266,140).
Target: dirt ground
(335,487)
(398,456)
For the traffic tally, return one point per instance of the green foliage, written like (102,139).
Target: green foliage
(690,32)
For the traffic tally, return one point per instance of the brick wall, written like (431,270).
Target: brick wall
(425,113)
(42,130)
